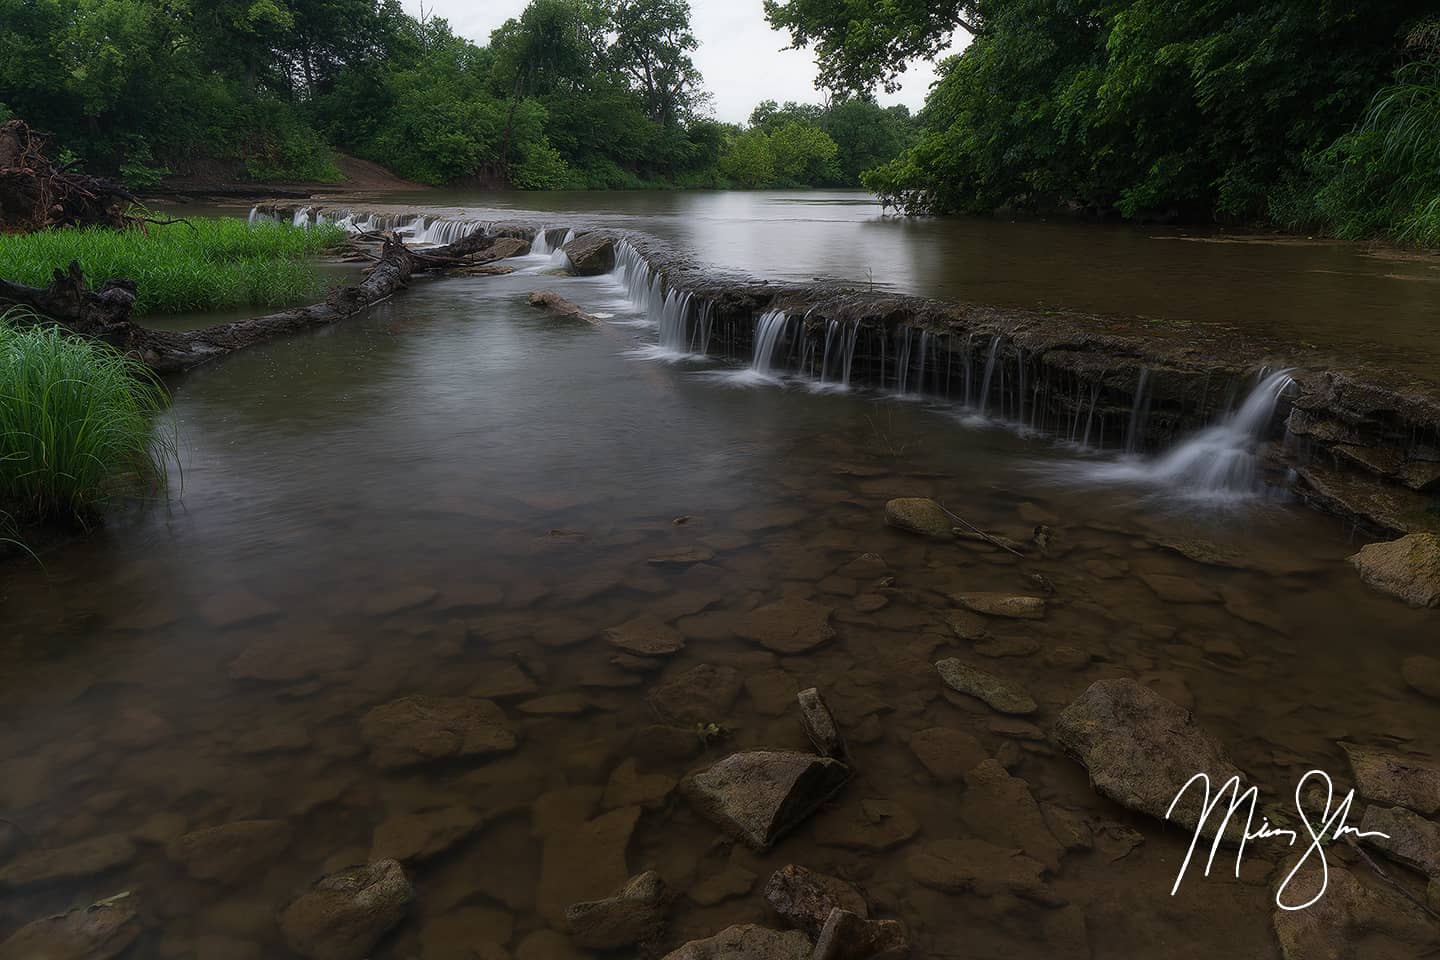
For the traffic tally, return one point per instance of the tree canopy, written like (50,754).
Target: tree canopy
(1148,109)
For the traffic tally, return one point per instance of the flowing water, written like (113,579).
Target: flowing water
(457,495)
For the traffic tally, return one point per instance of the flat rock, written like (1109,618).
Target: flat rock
(1423,675)
(1173,589)
(962,865)
(342,916)
(746,941)
(415,730)
(628,787)
(1351,921)
(1001,809)
(232,607)
(919,515)
(876,824)
(772,692)
(584,862)
(645,637)
(806,898)
(1413,840)
(631,914)
(947,753)
(985,686)
(231,851)
(702,694)
(97,932)
(502,680)
(1002,605)
(1408,568)
(282,657)
(849,936)
(1141,749)
(789,626)
(276,739)
(683,558)
(819,725)
(759,795)
(1395,779)
(78,861)
(419,836)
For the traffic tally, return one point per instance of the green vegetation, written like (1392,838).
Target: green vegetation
(76,425)
(571,94)
(1298,112)
(208,265)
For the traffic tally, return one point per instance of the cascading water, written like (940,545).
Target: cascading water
(1218,463)
(1135,431)
(769,331)
(540,246)
(673,314)
(984,397)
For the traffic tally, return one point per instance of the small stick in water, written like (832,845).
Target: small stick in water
(978,532)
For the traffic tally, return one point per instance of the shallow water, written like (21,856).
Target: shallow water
(412,502)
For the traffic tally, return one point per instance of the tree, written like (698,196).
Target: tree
(802,153)
(652,47)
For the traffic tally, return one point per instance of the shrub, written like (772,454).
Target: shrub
(76,424)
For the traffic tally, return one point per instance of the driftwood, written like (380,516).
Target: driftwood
(104,314)
(35,193)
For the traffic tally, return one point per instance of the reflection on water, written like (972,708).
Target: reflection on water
(456,495)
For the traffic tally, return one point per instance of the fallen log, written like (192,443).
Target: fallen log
(104,314)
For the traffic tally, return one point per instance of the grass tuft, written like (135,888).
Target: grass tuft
(214,264)
(76,424)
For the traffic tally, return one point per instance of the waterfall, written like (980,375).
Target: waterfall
(673,313)
(1217,463)
(301,218)
(540,246)
(989,372)
(769,331)
(642,285)
(1135,431)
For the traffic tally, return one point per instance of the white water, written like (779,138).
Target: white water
(1216,464)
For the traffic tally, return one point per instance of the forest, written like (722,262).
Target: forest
(577,94)
(1306,114)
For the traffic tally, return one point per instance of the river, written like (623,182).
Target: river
(457,495)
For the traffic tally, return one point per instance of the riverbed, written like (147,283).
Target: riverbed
(457,495)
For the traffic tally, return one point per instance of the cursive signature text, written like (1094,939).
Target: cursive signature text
(1331,826)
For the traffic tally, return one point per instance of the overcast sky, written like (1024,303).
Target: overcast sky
(740,56)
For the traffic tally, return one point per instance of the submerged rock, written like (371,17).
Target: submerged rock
(789,626)
(590,254)
(746,941)
(417,836)
(948,754)
(415,730)
(97,932)
(584,862)
(633,913)
(820,725)
(1141,749)
(645,637)
(919,515)
(1001,808)
(702,694)
(848,936)
(1392,778)
(1350,921)
(1412,839)
(1423,675)
(876,824)
(77,861)
(345,914)
(1003,605)
(759,795)
(1408,568)
(966,864)
(986,687)
(230,851)
(805,898)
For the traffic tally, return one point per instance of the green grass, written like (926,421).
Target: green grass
(77,425)
(216,264)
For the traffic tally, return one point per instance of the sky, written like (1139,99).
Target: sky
(742,59)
